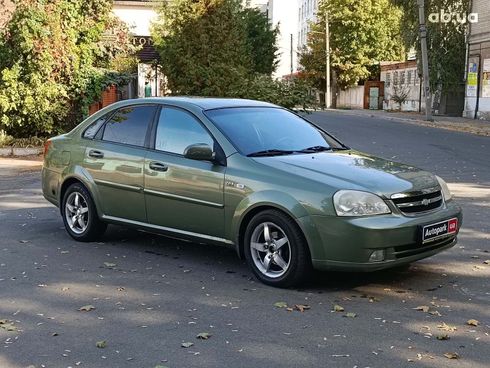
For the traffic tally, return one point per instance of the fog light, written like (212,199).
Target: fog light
(377,256)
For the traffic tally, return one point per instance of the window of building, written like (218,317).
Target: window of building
(409,77)
(402,77)
(395,78)
(129,125)
(178,129)
(388,79)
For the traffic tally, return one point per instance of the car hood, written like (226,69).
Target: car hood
(354,170)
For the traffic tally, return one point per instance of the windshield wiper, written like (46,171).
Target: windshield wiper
(315,149)
(321,149)
(270,152)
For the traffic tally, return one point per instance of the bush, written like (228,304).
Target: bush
(55,59)
(289,94)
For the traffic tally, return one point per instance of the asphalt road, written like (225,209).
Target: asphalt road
(152,293)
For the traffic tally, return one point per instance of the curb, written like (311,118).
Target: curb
(20,152)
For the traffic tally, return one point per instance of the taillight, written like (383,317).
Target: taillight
(46,147)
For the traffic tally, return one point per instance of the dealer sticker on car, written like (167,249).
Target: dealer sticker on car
(439,230)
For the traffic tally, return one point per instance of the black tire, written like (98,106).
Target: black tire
(299,265)
(95,228)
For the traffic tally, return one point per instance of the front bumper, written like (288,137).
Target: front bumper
(346,244)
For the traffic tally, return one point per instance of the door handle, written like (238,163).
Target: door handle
(96,154)
(158,166)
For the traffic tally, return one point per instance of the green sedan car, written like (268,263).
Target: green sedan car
(287,195)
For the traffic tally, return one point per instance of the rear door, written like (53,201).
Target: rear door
(183,194)
(115,160)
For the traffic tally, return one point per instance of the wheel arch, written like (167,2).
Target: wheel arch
(79,175)
(243,216)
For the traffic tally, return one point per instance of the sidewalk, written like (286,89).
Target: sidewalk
(479,127)
(10,166)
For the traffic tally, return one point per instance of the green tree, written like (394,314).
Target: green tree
(362,33)
(445,40)
(203,48)
(52,55)
(261,40)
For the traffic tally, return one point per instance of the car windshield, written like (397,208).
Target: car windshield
(266,131)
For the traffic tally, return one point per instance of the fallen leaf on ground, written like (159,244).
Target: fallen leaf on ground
(472,322)
(86,308)
(422,308)
(451,355)
(338,308)
(442,337)
(280,305)
(446,327)
(101,344)
(187,344)
(7,325)
(301,307)
(203,335)
(350,315)
(109,264)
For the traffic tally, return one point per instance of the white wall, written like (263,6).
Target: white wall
(285,13)
(138,18)
(352,98)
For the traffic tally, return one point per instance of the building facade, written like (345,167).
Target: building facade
(477,94)
(138,15)
(307,10)
(401,79)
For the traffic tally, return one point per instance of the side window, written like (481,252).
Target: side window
(129,125)
(93,128)
(177,130)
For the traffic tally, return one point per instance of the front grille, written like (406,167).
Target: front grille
(403,251)
(418,203)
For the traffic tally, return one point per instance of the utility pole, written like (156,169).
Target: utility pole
(425,61)
(327,62)
(292,69)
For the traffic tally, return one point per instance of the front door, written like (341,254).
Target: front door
(373,98)
(115,161)
(181,194)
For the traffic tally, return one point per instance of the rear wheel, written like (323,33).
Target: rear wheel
(276,250)
(80,215)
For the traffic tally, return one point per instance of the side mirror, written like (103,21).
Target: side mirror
(199,151)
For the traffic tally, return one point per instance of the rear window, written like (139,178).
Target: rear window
(93,128)
(129,125)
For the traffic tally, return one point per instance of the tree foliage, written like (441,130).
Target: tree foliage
(362,33)
(217,48)
(261,41)
(52,59)
(445,40)
(203,47)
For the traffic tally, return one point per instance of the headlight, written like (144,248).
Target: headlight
(357,203)
(445,189)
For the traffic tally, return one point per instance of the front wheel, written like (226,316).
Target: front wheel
(276,250)
(80,215)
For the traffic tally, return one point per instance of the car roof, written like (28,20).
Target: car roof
(207,103)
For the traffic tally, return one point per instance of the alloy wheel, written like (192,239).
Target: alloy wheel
(76,212)
(271,250)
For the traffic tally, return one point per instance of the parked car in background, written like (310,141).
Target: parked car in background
(284,193)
